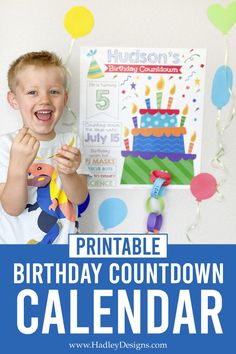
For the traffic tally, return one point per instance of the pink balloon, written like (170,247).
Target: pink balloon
(203,186)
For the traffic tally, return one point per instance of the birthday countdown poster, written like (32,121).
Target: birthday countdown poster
(141,110)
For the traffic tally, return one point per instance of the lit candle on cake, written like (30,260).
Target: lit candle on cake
(126,140)
(135,119)
(184,114)
(191,144)
(160,87)
(147,100)
(170,99)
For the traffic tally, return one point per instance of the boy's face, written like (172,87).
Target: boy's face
(40,96)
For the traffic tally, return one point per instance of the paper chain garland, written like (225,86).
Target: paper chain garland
(160,180)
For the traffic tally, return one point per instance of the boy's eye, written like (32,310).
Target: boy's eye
(33,92)
(54,92)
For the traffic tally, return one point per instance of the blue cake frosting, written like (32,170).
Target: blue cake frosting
(158,120)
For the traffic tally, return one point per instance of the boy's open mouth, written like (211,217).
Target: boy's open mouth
(43,115)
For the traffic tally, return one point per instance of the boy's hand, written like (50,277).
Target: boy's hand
(68,159)
(23,151)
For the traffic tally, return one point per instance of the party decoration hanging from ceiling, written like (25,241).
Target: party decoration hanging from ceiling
(222,18)
(221,95)
(203,186)
(78,21)
(222,86)
(112,212)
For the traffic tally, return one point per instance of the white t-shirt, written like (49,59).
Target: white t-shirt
(49,216)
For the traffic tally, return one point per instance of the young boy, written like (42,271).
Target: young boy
(42,175)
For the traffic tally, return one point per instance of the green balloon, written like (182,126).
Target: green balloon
(221,17)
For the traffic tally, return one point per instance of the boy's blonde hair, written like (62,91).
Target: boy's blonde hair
(41,58)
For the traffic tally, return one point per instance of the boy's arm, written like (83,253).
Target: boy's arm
(13,194)
(74,185)
(1,189)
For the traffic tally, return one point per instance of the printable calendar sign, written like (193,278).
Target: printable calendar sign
(141,110)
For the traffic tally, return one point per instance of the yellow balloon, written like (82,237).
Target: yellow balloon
(78,21)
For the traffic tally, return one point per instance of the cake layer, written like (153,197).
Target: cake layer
(137,170)
(163,143)
(149,155)
(158,118)
(159,131)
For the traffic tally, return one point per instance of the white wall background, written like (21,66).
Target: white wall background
(27,25)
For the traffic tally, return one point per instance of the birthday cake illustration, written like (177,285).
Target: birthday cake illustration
(158,144)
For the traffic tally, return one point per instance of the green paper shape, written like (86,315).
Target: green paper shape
(221,17)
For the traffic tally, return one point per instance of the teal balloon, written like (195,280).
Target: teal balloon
(221,86)
(112,212)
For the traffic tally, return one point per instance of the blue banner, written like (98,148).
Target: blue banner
(183,302)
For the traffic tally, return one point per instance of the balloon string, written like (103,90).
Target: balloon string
(233,111)
(70,51)
(221,150)
(73,124)
(101,230)
(226,49)
(218,190)
(69,76)
(216,161)
(192,227)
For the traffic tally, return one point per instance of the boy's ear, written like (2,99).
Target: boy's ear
(66,98)
(11,97)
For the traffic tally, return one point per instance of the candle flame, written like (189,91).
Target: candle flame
(172,90)
(193,137)
(126,132)
(185,110)
(147,90)
(160,84)
(134,108)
